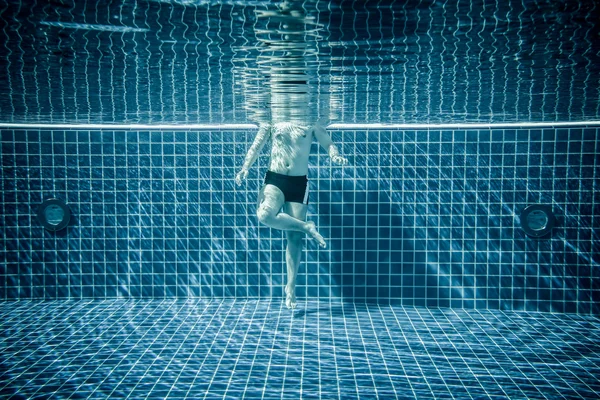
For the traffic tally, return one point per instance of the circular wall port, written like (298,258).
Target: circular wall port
(54,214)
(537,220)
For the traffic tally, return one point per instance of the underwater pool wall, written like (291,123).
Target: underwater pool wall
(420,217)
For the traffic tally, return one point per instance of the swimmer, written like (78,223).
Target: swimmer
(283,200)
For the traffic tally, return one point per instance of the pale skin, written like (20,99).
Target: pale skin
(290,150)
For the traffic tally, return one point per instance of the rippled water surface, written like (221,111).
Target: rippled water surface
(202,61)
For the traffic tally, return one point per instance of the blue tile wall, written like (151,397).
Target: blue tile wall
(426,218)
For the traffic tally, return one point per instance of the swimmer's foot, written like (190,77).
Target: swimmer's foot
(290,297)
(312,231)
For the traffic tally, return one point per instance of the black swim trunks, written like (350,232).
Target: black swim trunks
(294,188)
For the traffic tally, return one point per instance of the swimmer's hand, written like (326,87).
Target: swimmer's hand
(334,154)
(339,160)
(241,176)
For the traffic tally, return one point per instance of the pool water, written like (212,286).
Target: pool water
(416,61)
(455,116)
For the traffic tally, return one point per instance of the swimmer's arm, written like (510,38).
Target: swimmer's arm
(263,134)
(327,144)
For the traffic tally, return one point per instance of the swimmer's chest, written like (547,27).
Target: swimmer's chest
(294,136)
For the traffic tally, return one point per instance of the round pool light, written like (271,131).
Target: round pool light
(54,214)
(537,220)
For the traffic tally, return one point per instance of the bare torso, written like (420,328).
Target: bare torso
(290,148)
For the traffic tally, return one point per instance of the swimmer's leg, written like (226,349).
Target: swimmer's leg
(293,253)
(271,202)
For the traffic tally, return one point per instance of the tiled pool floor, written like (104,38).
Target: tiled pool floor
(258,349)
